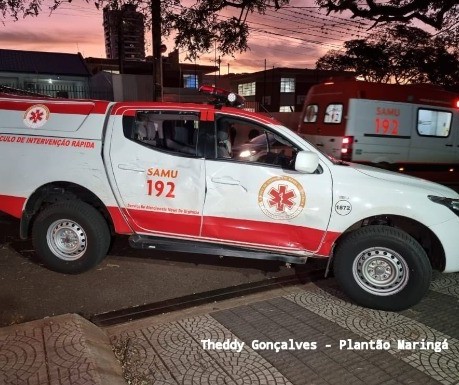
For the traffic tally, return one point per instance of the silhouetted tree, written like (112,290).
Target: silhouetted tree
(439,14)
(399,54)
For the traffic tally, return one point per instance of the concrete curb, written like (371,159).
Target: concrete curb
(66,349)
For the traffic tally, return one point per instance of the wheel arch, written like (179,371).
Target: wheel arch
(57,192)
(421,233)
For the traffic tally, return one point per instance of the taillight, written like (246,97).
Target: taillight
(346,148)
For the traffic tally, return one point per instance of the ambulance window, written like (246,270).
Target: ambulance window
(244,141)
(310,115)
(164,130)
(434,123)
(333,113)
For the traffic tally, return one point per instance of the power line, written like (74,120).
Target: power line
(340,32)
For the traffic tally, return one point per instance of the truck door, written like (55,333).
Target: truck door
(254,197)
(156,172)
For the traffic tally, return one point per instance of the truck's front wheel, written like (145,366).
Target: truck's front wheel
(70,237)
(383,268)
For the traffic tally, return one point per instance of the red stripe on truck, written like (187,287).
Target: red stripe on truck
(119,221)
(12,205)
(242,232)
(153,221)
(277,235)
(236,231)
(58,107)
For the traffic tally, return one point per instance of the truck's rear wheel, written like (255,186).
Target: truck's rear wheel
(70,237)
(383,268)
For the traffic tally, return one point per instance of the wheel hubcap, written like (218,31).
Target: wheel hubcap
(66,239)
(380,271)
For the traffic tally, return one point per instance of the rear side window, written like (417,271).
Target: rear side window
(166,131)
(333,113)
(310,115)
(434,123)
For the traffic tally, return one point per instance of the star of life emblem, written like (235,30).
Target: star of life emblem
(36,116)
(281,197)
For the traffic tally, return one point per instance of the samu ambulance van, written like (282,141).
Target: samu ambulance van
(406,127)
(190,177)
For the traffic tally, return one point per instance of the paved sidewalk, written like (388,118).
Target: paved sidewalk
(308,323)
(164,350)
(65,349)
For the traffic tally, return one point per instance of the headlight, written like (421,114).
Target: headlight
(246,153)
(451,203)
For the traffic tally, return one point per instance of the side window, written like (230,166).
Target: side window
(310,115)
(333,113)
(164,130)
(434,123)
(244,141)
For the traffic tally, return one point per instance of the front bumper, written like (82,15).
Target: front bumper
(448,234)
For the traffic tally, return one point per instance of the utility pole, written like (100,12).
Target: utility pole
(156,40)
(215,61)
(263,99)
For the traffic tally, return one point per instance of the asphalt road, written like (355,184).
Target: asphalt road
(126,278)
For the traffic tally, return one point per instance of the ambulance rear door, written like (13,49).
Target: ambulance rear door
(323,120)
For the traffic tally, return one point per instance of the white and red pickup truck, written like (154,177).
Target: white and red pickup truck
(214,179)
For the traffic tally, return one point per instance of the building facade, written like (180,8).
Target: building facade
(276,89)
(180,81)
(47,73)
(277,92)
(124,32)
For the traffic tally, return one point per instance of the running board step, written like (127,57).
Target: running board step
(186,246)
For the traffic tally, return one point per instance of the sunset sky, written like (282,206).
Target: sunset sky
(292,37)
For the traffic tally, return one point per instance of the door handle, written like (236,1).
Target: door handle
(130,167)
(448,145)
(319,144)
(228,180)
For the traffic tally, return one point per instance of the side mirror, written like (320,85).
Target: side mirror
(306,161)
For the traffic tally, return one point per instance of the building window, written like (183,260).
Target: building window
(287,109)
(246,89)
(190,81)
(434,123)
(287,85)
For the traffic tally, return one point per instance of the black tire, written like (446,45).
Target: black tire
(382,267)
(70,237)
(384,166)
